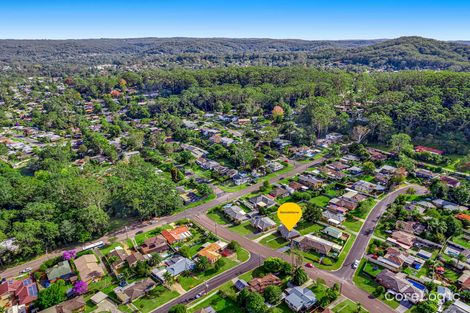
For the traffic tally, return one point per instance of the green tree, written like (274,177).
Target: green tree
(273,294)
(401,143)
(312,212)
(179,308)
(52,295)
(202,264)
(299,276)
(255,303)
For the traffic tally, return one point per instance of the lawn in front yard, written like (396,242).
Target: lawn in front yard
(156,297)
(110,247)
(219,304)
(274,241)
(353,225)
(218,216)
(191,281)
(369,285)
(243,229)
(347,306)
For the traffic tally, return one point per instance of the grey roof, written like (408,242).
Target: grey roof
(330,215)
(262,222)
(62,269)
(182,265)
(286,234)
(241,284)
(235,213)
(300,298)
(458,307)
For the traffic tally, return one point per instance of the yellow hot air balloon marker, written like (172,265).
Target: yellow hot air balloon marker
(289,213)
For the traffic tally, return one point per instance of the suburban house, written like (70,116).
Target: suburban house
(333,218)
(279,192)
(458,307)
(61,270)
(211,252)
(300,299)
(394,259)
(398,284)
(240,179)
(118,257)
(297,186)
(333,232)
(337,166)
(262,223)
(88,267)
(134,258)
(274,166)
(367,187)
(286,234)
(259,284)
(235,213)
(134,291)
(262,201)
(428,149)
(178,234)
(410,227)
(423,173)
(402,239)
(320,245)
(154,244)
(69,306)
(18,292)
(175,267)
(450,181)
(311,181)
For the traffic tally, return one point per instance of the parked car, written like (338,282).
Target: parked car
(309,265)
(355,264)
(27,270)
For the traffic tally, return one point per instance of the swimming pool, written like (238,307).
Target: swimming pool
(417,285)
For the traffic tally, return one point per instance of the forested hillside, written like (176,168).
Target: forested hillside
(56,56)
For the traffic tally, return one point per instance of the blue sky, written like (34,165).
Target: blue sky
(309,19)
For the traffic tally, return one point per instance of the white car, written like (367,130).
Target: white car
(355,264)
(27,270)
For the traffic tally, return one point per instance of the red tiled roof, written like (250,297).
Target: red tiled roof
(462,216)
(428,149)
(174,235)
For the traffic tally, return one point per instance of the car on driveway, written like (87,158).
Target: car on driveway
(309,265)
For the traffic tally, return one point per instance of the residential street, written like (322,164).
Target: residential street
(146,226)
(346,272)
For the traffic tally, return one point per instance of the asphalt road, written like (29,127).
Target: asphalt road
(346,272)
(213,283)
(132,229)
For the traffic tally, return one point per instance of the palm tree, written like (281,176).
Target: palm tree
(169,279)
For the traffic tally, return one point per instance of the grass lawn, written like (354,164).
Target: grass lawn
(277,173)
(274,241)
(366,207)
(110,247)
(306,228)
(247,276)
(189,282)
(243,255)
(157,297)
(353,225)
(347,306)
(219,304)
(372,269)
(140,238)
(320,201)
(218,217)
(367,284)
(106,285)
(461,241)
(243,229)
(451,275)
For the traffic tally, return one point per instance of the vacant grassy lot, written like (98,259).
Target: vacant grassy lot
(274,241)
(347,306)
